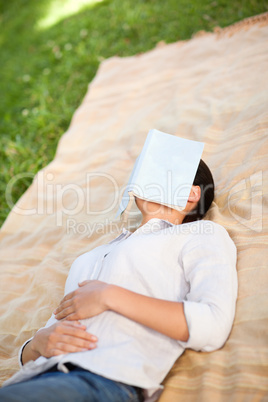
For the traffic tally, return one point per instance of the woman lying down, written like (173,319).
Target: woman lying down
(132,306)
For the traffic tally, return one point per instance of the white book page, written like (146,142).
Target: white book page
(165,170)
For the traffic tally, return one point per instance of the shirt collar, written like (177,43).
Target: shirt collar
(152,226)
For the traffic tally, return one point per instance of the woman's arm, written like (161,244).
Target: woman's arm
(95,297)
(60,338)
(166,317)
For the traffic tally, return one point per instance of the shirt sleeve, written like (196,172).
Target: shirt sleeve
(209,263)
(21,350)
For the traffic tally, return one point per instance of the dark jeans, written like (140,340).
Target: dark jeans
(76,386)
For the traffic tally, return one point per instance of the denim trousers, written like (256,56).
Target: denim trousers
(78,385)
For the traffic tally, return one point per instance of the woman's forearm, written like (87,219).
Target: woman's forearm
(166,317)
(28,353)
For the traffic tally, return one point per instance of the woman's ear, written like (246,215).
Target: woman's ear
(195,194)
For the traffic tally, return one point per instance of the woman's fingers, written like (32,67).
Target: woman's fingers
(83,283)
(67,297)
(68,313)
(62,349)
(61,314)
(70,337)
(75,329)
(68,317)
(64,302)
(63,306)
(76,324)
(70,344)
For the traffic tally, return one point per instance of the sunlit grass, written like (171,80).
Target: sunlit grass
(61,9)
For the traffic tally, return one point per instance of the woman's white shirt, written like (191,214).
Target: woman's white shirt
(194,263)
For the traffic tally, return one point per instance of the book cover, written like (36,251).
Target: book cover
(164,171)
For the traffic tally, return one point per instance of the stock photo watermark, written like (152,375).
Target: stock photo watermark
(66,201)
(245,201)
(87,229)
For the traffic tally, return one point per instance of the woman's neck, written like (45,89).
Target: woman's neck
(152,210)
(176,220)
(165,213)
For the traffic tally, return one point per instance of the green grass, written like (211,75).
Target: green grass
(45,71)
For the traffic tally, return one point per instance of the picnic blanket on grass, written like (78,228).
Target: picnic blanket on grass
(212,88)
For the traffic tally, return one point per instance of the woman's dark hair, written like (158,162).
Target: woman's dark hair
(204,180)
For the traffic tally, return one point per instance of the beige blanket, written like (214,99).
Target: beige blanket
(213,88)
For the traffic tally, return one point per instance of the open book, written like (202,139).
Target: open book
(164,171)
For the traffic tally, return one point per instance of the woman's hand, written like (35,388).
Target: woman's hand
(85,302)
(94,297)
(61,338)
